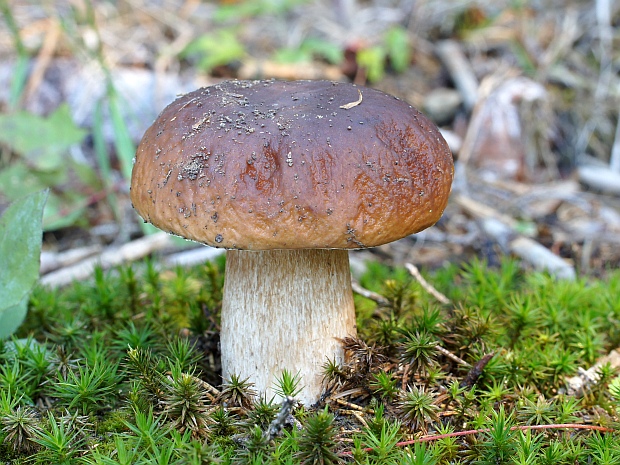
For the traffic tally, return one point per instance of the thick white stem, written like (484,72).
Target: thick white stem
(284,309)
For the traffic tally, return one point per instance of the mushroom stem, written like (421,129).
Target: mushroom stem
(284,309)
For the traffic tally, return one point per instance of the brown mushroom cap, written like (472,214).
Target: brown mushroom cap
(282,165)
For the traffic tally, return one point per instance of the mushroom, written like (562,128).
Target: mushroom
(289,176)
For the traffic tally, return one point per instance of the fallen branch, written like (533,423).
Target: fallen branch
(192,257)
(600,178)
(576,385)
(257,69)
(541,257)
(503,230)
(213,392)
(614,159)
(461,72)
(111,257)
(51,261)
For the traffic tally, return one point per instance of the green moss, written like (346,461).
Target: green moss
(125,362)
(113,422)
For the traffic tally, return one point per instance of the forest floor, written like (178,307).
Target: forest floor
(503,348)
(525,94)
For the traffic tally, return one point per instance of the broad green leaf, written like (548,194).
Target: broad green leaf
(20,251)
(42,141)
(398,48)
(12,317)
(86,175)
(329,51)
(20,77)
(292,55)
(125,148)
(309,49)
(18,180)
(373,60)
(234,12)
(252,8)
(65,206)
(61,212)
(219,48)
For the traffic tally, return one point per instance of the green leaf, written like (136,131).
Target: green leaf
(20,251)
(292,55)
(234,12)
(12,317)
(322,48)
(64,207)
(373,60)
(398,48)
(252,8)
(20,77)
(64,211)
(219,48)
(18,180)
(103,158)
(125,148)
(309,49)
(42,141)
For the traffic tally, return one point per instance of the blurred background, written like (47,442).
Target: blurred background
(526,93)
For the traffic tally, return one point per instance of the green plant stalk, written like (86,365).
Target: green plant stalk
(18,84)
(20,73)
(125,148)
(103,159)
(123,144)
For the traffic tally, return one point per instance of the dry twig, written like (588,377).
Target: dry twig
(377,298)
(107,259)
(413,270)
(600,178)
(452,356)
(502,229)
(281,418)
(460,70)
(576,385)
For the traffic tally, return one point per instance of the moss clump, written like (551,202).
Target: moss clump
(125,369)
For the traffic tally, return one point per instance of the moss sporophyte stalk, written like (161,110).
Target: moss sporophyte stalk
(89,380)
